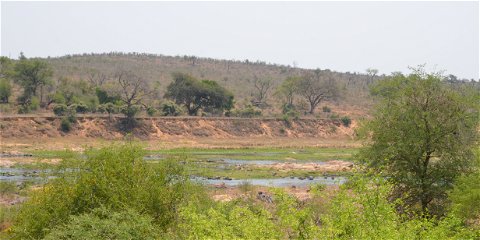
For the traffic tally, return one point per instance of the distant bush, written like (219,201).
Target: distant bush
(101,108)
(171,109)
(334,116)
(60,109)
(81,108)
(248,111)
(286,119)
(28,104)
(110,108)
(5,90)
(131,111)
(58,98)
(151,111)
(326,109)
(346,121)
(66,125)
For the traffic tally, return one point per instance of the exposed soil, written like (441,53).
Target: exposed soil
(231,193)
(330,166)
(161,128)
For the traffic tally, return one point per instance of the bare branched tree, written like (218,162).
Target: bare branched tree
(263,88)
(133,90)
(316,89)
(97,79)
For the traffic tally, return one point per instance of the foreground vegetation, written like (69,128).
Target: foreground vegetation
(115,194)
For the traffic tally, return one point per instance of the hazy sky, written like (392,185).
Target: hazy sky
(342,36)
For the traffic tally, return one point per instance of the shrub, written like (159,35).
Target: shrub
(286,119)
(326,109)
(81,108)
(151,111)
(226,221)
(116,178)
(66,125)
(102,223)
(28,104)
(101,108)
(60,109)
(5,90)
(334,116)
(111,108)
(58,98)
(466,195)
(35,103)
(171,109)
(248,112)
(346,121)
(72,107)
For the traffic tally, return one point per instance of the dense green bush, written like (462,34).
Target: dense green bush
(5,90)
(346,121)
(28,104)
(171,109)
(60,109)
(104,224)
(101,108)
(115,178)
(466,195)
(247,112)
(226,221)
(65,125)
(359,210)
(79,107)
(58,98)
(151,111)
(111,108)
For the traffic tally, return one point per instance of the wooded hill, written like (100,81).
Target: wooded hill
(236,76)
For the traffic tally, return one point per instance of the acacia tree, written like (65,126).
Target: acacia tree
(317,88)
(422,136)
(195,95)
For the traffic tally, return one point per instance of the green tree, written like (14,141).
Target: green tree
(421,137)
(5,90)
(195,95)
(32,75)
(6,67)
(287,90)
